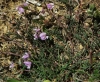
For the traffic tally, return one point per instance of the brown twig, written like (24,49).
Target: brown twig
(91,56)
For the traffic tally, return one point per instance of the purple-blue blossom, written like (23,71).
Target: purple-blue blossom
(43,36)
(11,65)
(25,56)
(21,9)
(28,64)
(50,5)
(25,4)
(39,35)
(36,35)
(37,30)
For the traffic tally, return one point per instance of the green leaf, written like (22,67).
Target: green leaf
(46,81)
(92,7)
(14,80)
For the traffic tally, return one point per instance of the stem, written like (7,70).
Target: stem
(91,56)
(91,60)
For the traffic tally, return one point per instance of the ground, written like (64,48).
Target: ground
(8,20)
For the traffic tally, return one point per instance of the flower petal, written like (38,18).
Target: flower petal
(25,56)
(43,36)
(50,5)
(28,64)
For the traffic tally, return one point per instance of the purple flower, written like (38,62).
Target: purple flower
(39,35)
(25,56)
(11,65)
(20,8)
(37,30)
(43,36)
(28,64)
(50,5)
(36,35)
(25,4)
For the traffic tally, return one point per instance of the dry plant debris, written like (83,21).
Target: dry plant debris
(14,25)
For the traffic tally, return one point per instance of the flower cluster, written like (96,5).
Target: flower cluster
(40,35)
(26,62)
(21,8)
